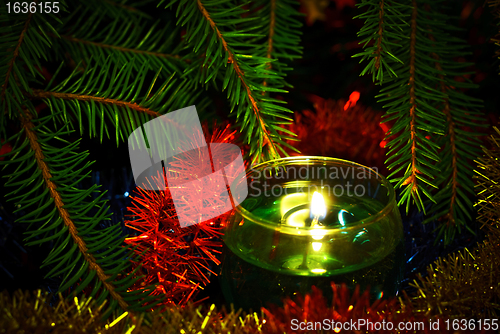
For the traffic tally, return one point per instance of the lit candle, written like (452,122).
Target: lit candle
(298,211)
(298,230)
(318,208)
(317,213)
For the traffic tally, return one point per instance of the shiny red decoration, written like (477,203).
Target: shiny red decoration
(351,133)
(348,313)
(178,261)
(353,99)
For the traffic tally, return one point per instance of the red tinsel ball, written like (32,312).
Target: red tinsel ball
(341,129)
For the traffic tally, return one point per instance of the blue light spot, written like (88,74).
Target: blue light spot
(341,216)
(126,194)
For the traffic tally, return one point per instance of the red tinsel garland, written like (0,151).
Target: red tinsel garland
(178,261)
(350,313)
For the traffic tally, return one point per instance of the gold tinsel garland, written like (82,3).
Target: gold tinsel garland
(26,312)
(465,284)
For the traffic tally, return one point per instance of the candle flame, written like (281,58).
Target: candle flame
(317,246)
(317,212)
(318,206)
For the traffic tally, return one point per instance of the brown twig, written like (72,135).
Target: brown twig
(41,94)
(239,72)
(270,40)
(380,32)
(451,134)
(413,105)
(119,48)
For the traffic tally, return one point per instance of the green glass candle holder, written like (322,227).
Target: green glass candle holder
(312,221)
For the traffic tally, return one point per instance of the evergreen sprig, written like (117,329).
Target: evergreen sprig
(45,182)
(226,39)
(98,37)
(412,54)
(281,42)
(101,98)
(114,68)
(24,44)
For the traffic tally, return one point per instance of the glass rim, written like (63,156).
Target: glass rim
(308,230)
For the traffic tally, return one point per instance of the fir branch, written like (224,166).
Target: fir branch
(455,186)
(97,37)
(451,134)
(41,94)
(410,98)
(272,23)
(126,103)
(416,69)
(268,140)
(383,18)
(28,127)
(118,57)
(281,42)
(15,54)
(44,182)
(412,178)
(118,48)
(231,44)
(22,47)
(378,52)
